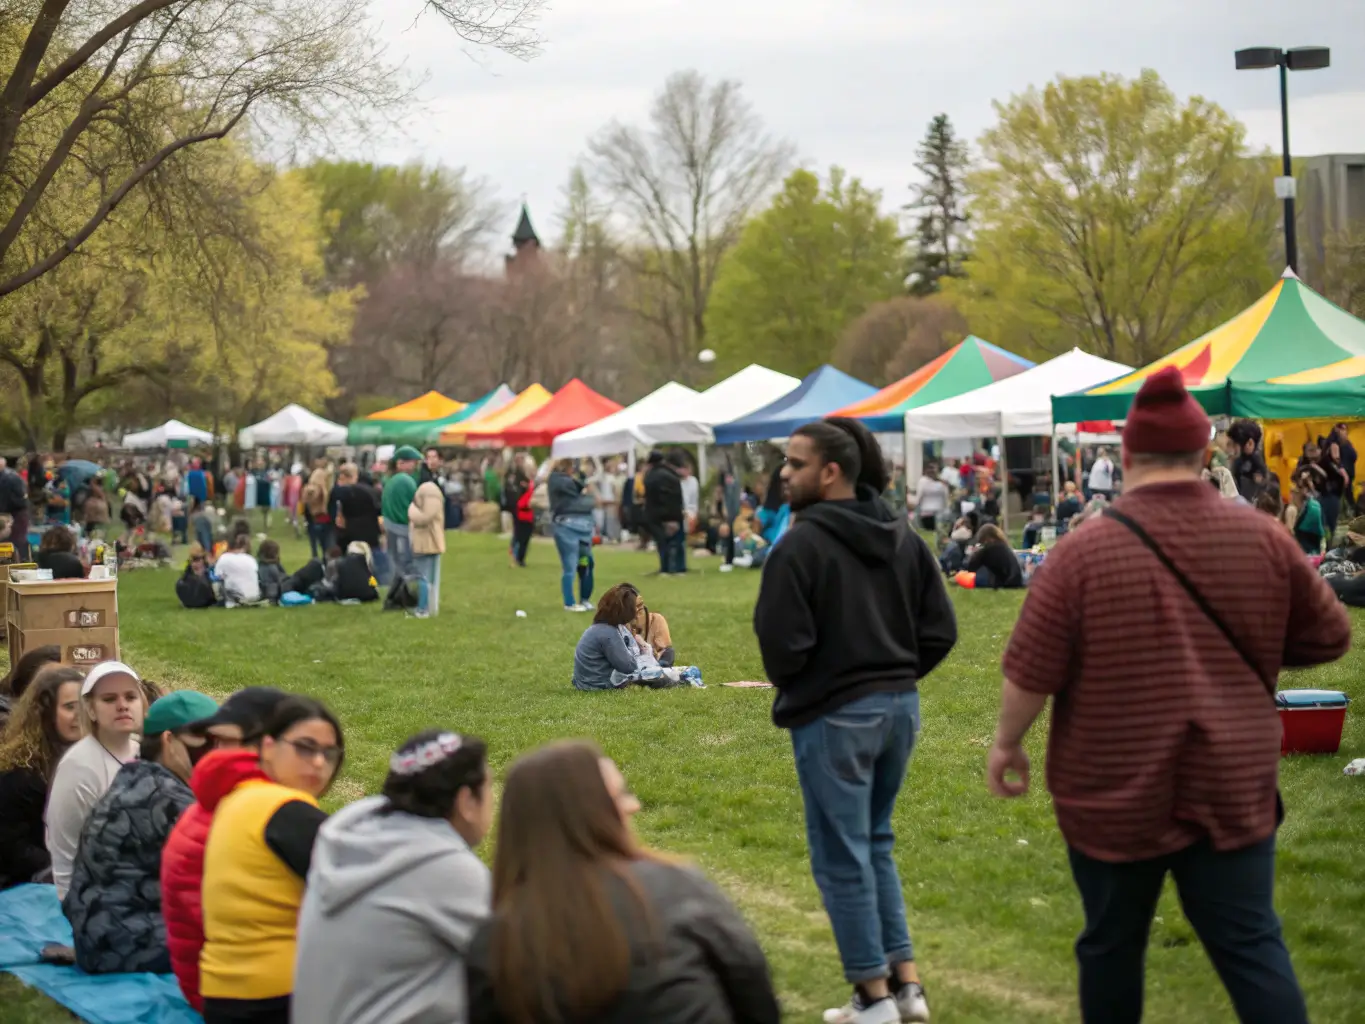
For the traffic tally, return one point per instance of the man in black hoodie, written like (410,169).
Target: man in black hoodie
(851,615)
(664,514)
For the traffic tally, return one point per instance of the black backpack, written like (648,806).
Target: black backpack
(404,593)
(195,591)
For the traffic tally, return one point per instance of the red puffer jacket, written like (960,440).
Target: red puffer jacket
(182,862)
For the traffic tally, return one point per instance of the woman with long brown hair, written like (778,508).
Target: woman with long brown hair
(45,723)
(588,925)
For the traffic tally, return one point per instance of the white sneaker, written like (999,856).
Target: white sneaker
(585,606)
(574,608)
(883,1011)
(727,568)
(913,1006)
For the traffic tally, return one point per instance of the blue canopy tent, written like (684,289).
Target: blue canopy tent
(821,393)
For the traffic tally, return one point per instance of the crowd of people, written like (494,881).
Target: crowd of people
(185,836)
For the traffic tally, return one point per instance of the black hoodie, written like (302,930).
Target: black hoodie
(852,603)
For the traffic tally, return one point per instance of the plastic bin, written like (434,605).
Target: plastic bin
(1312,720)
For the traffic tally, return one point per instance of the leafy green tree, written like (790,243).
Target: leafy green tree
(803,270)
(1111,217)
(939,248)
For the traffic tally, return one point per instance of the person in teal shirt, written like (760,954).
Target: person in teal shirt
(399,491)
(59,500)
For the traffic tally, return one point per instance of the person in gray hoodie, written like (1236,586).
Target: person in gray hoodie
(395,893)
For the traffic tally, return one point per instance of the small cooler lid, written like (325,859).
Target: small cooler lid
(1311,699)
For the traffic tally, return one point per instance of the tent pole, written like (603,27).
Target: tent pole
(701,464)
(1056,472)
(1004,481)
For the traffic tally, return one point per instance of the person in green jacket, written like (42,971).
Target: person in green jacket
(399,491)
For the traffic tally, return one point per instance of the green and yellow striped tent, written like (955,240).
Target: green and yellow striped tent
(1290,355)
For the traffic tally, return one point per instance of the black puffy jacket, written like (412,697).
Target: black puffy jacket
(114,903)
(23,849)
(705,967)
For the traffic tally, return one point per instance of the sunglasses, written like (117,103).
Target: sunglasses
(310,751)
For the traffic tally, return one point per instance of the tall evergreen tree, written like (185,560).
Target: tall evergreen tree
(939,245)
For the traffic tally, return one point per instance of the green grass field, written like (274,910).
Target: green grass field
(992,909)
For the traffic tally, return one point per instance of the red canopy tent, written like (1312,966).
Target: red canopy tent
(574,405)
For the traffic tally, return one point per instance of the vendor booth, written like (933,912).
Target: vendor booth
(171,434)
(969,365)
(1018,406)
(422,420)
(823,391)
(573,406)
(479,431)
(293,425)
(1292,360)
(621,432)
(737,395)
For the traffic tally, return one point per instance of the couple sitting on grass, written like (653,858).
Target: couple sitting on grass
(627,643)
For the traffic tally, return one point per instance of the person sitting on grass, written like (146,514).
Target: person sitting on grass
(588,925)
(235,731)
(255,862)
(45,723)
(114,903)
(112,709)
(1303,515)
(994,563)
(273,579)
(398,873)
(21,674)
(195,586)
(240,573)
(58,553)
(609,656)
(651,630)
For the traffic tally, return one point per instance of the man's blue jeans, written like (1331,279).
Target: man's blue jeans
(851,763)
(400,548)
(573,541)
(673,551)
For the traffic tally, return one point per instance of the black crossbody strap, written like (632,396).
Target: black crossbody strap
(1195,595)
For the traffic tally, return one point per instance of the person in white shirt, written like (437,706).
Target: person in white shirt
(1102,475)
(240,573)
(691,494)
(950,476)
(112,709)
(931,498)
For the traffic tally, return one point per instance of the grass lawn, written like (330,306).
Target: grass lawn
(992,909)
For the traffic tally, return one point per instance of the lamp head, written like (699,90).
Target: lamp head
(1257,57)
(1308,58)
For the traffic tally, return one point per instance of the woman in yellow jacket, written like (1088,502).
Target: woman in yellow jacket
(427,533)
(255,865)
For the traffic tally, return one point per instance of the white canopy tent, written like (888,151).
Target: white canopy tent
(747,391)
(293,425)
(1018,406)
(171,433)
(620,432)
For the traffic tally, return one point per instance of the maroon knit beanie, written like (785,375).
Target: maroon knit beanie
(1164,419)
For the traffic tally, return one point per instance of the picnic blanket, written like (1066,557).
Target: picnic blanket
(31,918)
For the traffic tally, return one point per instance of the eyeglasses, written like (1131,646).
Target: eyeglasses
(310,751)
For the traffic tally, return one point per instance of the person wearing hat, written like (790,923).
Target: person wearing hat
(1161,646)
(399,491)
(114,903)
(112,709)
(234,731)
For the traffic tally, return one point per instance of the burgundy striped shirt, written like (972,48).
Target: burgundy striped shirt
(1161,733)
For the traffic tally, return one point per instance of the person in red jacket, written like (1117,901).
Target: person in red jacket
(524,519)
(235,731)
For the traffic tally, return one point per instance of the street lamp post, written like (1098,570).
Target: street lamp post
(1300,58)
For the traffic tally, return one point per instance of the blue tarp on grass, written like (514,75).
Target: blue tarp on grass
(821,393)
(31,918)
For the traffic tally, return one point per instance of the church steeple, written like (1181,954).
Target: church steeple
(525,234)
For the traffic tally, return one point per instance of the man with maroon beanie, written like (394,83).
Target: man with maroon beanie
(1159,630)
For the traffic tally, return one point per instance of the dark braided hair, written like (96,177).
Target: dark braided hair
(850,446)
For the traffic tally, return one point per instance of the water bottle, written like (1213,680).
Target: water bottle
(111,560)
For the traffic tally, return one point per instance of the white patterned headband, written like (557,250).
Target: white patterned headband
(413,762)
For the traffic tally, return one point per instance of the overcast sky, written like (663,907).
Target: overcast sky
(852,82)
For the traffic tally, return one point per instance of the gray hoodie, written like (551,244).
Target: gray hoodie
(391,905)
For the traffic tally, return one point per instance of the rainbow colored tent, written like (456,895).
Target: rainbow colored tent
(1290,355)
(481,428)
(968,365)
(574,405)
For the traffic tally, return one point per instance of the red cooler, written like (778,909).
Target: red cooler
(1312,720)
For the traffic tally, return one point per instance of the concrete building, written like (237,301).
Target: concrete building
(1331,202)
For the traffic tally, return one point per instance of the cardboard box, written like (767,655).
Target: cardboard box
(80,647)
(79,616)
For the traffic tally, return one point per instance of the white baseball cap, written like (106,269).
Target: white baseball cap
(104,670)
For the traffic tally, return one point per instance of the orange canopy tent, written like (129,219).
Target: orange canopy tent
(574,405)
